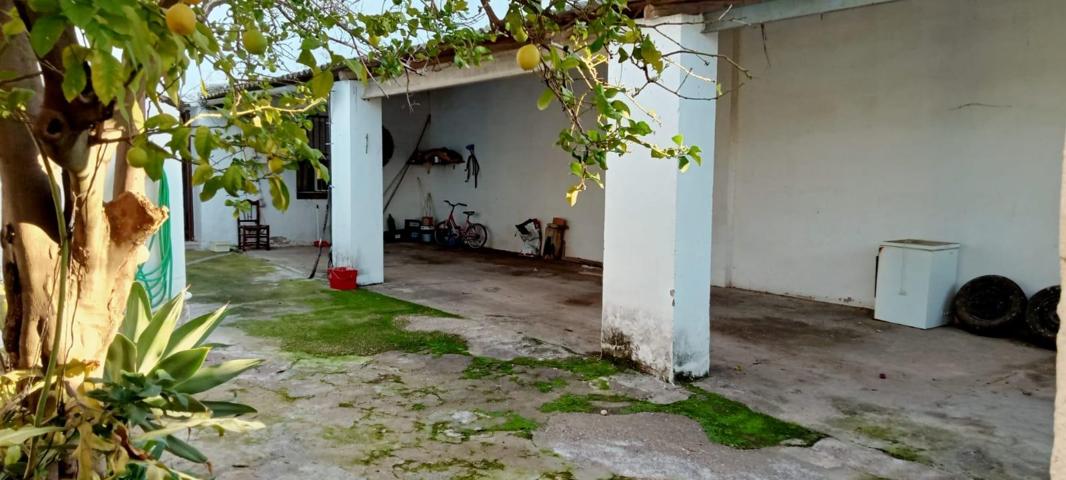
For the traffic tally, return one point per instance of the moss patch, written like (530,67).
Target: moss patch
(358,322)
(546,386)
(724,421)
(512,422)
(310,319)
(586,368)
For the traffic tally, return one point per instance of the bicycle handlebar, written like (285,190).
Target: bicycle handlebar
(453,205)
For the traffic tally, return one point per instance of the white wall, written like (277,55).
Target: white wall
(939,120)
(214,222)
(523,173)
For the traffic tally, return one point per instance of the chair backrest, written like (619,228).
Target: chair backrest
(251,217)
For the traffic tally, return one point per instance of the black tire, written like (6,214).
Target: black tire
(1041,318)
(445,235)
(387,146)
(990,305)
(476,236)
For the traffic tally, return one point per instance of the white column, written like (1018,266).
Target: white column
(355,139)
(657,221)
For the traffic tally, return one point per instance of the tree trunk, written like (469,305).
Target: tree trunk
(77,140)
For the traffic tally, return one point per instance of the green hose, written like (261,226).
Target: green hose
(158,280)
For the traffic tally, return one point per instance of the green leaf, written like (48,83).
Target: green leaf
(45,33)
(545,99)
(215,375)
(155,338)
(121,357)
(194,332)
(14,26)
(228,409)
(44,6)
(321,84)
(74,80)
(203,140)
(231,424)
(202,174)
(210,188)
(107,76)
(161,121)
(183,364)
(184,450)
(678,139)
(232,180)
(307,58)
(15,436)
(279,193)
(138,312)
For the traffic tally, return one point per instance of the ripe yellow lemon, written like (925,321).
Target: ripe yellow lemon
(528,57)
(276,165)
(137,157)
(254,41)
(181,19)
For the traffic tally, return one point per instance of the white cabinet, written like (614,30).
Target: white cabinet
(915,282)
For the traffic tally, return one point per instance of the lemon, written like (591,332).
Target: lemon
(254,41)
(528,57)
(181,19)
(276,165)
(137,157)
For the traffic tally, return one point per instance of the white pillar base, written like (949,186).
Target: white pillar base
(657,223)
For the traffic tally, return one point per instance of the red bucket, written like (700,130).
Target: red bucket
(343,278)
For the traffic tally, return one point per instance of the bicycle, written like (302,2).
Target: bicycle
(448,233)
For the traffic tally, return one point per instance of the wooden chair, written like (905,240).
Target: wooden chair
(250,230)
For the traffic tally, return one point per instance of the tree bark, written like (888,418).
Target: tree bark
(79,139)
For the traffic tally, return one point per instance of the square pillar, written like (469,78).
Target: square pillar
(657,220)
(356,182)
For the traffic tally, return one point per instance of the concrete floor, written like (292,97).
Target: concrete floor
(971,407)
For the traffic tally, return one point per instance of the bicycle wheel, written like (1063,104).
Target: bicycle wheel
(476,236)
(446,235)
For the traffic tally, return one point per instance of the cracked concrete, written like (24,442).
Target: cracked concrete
(967,406)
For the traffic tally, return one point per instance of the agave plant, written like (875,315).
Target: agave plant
(118,426)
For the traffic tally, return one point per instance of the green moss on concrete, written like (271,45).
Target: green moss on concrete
(546,386)
(309,318)
(586,368)
(358,322)
(892,432)
(724,421)
(460,468)
(512,422)
(589,403)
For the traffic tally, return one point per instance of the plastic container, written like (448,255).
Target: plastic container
(343,278)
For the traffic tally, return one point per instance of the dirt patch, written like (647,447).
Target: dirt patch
(582,301)
(781,330)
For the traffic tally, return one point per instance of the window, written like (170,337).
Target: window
(308,186)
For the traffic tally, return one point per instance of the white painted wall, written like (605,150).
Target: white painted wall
(214,222)
(938,120)
(523,173)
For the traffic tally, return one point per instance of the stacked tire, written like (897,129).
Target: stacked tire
(993,305)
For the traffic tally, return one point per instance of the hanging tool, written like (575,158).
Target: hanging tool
(322,243)
(473,168)
(394,185)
